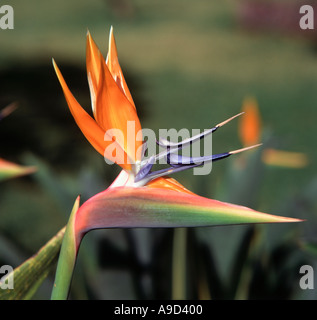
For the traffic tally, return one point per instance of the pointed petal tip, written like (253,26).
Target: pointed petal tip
(112,46)
(111,35)
(88,36)
(228,120)
(57,71)
(245,149)
(55,65)
(90,43)
(288,220)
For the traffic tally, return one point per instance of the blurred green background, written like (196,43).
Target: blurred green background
(188,64)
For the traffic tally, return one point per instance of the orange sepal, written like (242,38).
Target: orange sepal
(168,183)
(250,123)
(112,109)
(115,69)
(94,69)
(89,127)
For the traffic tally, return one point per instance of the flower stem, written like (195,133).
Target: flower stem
(67,260)
(179,264)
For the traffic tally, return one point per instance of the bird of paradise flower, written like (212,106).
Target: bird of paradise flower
(139,196)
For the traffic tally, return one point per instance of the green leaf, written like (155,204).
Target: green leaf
(29,275)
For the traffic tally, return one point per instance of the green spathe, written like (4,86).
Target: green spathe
(128,207)
(143,207)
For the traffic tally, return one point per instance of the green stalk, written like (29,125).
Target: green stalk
(67,259)
(179,264)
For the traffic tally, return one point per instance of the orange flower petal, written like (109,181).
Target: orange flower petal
(115,69)
(168,183)
(250,123)
(93,69)
(112,109)
(91,130)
